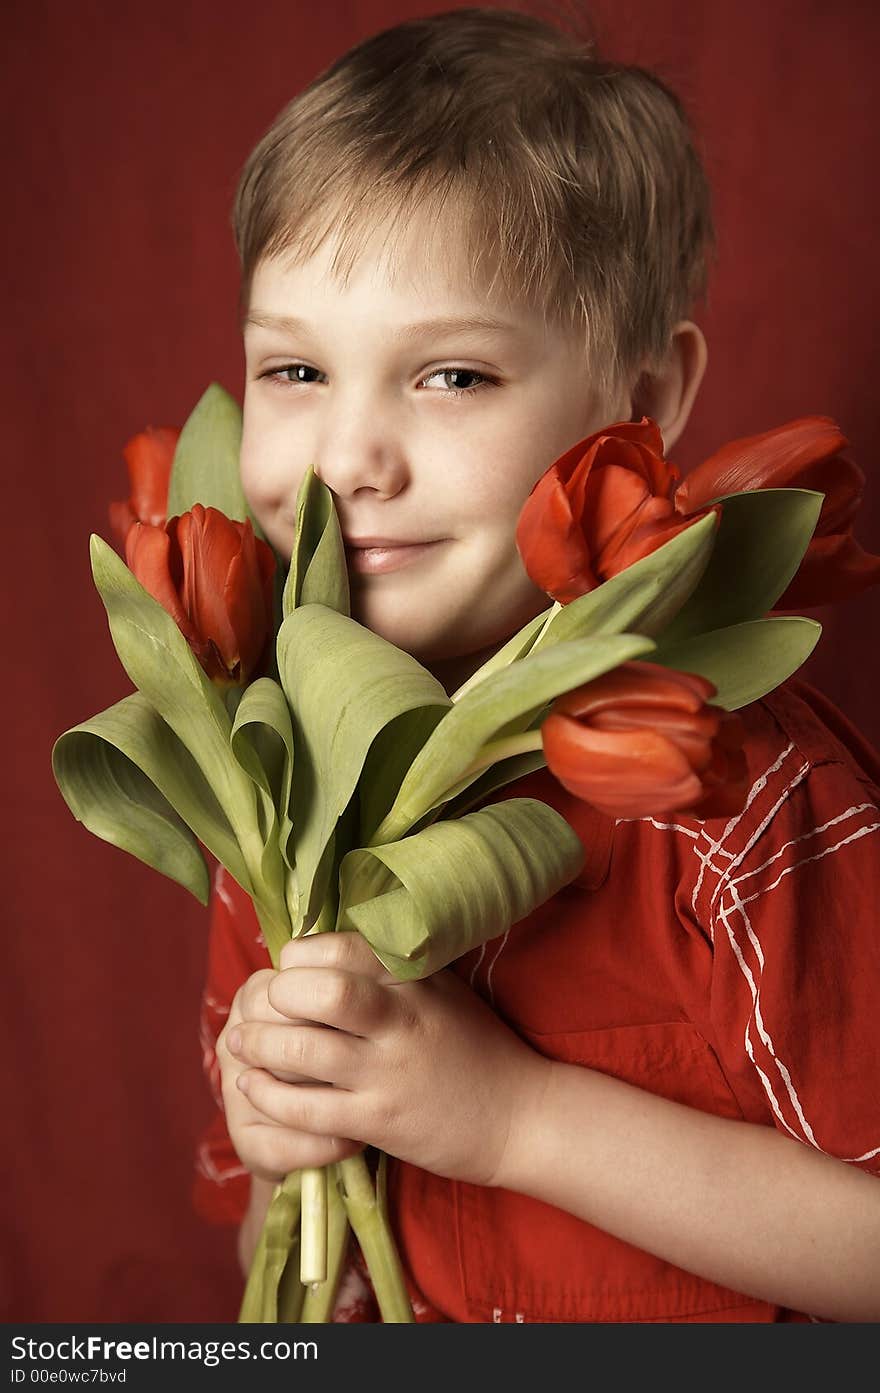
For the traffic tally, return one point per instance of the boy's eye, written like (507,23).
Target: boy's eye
(299,373)
(457,382)
(467,380)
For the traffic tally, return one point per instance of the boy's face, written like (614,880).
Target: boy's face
(429,435)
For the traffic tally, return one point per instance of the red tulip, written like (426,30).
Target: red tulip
(641,740)
(805,453)
(215,579)
(600,507)
(148,456)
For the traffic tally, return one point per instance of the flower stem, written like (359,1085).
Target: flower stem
(313,1227)
(369,1220)
(320,1298)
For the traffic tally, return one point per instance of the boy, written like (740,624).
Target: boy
(467,246)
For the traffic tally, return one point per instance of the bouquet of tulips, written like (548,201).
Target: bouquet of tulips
(344,789)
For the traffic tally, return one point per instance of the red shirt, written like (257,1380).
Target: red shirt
(730,964)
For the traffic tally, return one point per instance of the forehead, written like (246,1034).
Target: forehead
(424,261)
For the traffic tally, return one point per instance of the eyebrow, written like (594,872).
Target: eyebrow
(471,324)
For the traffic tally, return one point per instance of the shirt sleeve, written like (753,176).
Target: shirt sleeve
(236,949)
(789,893)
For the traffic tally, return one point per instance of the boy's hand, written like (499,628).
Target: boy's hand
(422,1070)
(268,1149)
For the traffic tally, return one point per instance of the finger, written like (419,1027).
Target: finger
(348,951)
(299,1052)
(231,1063)
(317,1109)
(251,1003)
(252,998)
(273,1151)
(333,997)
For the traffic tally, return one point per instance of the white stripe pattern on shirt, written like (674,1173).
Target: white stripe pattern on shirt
(730,908)
(723,903)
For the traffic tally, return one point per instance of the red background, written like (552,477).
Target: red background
(125,130)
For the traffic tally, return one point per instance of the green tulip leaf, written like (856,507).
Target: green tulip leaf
(206,461)
(159,662)
(760,544)
(744,661)
(424,901)
(343,839)
(643,598)
(506,771)
(125,775)
(390,756)
(503,704)
(318,573)
(267,1297)
(262,742)
(344,685)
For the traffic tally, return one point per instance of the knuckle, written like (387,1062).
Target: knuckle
(226,1060)
(341,1148)
(409,1018)
(336,993)
(346,950)
(234,1101)
(386,1118)
(278,1151)
(253,994)
(293,1050)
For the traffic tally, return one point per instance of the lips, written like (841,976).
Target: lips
(385,543)
(378,555)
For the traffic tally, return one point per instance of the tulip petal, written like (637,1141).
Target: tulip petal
(617,495)
(805,453)
(639,685)
(551,543)
(149,456)
(644,432)
(835,568)
(632,774)
(842,482)
(214,541)
(772,459)
(691,732)
(644,539)
(147,555)
(245,603)
(643,598)
(579,523)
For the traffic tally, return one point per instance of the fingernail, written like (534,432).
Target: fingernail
(233,1041)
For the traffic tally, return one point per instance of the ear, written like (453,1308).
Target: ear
(667,393)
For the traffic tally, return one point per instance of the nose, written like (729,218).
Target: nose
(360,447)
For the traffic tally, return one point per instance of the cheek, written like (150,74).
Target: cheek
(270,470)
(500,482)
(496,467)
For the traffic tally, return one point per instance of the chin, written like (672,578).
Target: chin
(404,630)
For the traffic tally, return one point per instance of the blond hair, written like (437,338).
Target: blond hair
(576,180)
